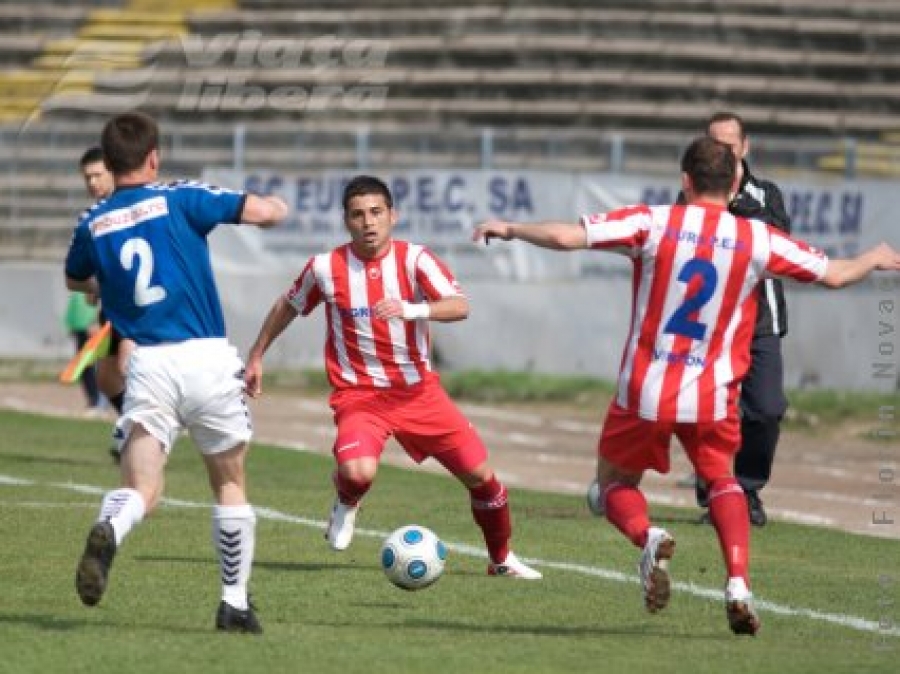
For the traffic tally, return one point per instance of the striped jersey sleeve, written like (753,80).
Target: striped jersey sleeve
(790,258)
(621,231)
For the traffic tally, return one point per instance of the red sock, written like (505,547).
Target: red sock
(491,512)
(626,510)
(728,514)
(350,491)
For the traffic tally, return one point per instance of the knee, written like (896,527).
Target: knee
(608,474)
(476,478)
(356,475)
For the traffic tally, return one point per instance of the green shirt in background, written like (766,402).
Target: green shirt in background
(80,314)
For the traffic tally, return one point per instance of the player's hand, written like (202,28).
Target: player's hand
(253,377)
(886,258)
(388,308)
(492,229)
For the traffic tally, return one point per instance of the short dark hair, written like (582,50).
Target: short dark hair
(362,184)
(127,139)
(91,156)
(726,116)
(711,166)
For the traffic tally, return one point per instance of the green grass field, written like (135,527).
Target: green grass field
(823,592)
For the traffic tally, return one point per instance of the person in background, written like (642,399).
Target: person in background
(80,321)
(762,402)
(111,369)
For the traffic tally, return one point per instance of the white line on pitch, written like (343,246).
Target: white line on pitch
(852,622)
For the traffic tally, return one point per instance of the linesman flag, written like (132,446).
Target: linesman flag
(93,350)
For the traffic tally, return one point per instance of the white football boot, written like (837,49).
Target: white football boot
(514,567)
(654,568)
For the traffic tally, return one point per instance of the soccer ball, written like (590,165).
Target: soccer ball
(593,499)
(413,557)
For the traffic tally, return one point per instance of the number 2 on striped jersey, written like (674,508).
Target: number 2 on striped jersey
(680,322)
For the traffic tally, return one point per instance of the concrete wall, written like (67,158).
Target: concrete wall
(838,339)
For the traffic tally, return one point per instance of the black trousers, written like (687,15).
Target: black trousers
(762,406)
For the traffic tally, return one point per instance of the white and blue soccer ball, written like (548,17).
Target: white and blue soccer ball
(594,501)
(413,557)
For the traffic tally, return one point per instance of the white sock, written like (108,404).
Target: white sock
(124,508)
(234,537)
(736,590)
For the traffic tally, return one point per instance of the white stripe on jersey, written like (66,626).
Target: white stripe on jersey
(641,301)
(772,302)
(722,370)
(723,259)
(612,231)
(784,247)
(413,255)
(654,380)
(390,279)
(416,255)
(321,270)
(191,184)
(429,267)
(365,330)
(761,252)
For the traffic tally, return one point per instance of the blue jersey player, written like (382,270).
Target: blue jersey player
(144,249)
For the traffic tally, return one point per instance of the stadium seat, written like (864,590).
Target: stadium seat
(553,81)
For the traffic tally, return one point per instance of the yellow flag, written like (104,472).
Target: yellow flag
(93,350)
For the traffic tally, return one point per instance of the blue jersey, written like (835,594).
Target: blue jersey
(147,246)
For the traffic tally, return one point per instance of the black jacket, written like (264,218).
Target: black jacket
(762,200)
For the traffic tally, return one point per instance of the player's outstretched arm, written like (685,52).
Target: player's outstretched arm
(280,316)
(552,235)
(845,272)
(263,211)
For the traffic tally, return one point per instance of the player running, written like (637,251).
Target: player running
(144,249)
(379,294)
(696,271)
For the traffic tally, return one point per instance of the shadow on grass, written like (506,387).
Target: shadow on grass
(639,630)
(257,563)
(27,459)
(50,623)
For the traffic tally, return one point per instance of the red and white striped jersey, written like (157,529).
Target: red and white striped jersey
(361,350)
(693,307)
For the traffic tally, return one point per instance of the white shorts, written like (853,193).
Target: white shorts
(197,385)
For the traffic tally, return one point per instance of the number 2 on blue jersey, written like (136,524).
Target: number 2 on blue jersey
(144,293)
(680,323)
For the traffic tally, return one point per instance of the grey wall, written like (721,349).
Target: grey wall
(838,339)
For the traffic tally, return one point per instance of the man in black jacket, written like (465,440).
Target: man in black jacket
(762,392)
